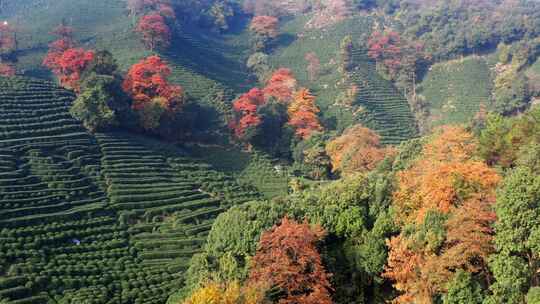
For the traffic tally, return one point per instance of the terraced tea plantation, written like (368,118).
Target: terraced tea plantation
(379,106)
(104,218)
(456,89)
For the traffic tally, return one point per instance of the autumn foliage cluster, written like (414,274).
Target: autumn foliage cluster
(226,293)
(282,88)
(153,26)
(358,149)
(147,83)
(287,258)
(444,204)
(303,114)
(264,26)
(7,70)
(286,269)
(396,57)
(386,47)
(264,30)
(246,106)
(7,45)
(7,39)
(65,60)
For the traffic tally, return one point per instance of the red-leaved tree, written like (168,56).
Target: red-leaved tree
(7,38)
(154,98)
(155,31)
(397,57)
(287,258)
(148,80)
(62,44)
(386,48)
(245,108)
(69,65)
(7,45)
(66,61)
(7,70)
(65,39)
(281,85)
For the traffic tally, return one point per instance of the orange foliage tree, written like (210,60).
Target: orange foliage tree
(155,32)
(358,149)
(264,26)
(445,199)
(281,85)
(303,114)
(264,29)
(245,108)
(287,258)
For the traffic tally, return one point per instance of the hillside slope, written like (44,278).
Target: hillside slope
(105,218)
(379,106)
(203,63)
(211,67)
(456,89)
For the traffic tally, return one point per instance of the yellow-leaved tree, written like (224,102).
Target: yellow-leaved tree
(444,205)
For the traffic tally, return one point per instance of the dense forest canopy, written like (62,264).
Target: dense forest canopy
(269,151)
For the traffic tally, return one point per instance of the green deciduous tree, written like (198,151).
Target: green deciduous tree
(94,107)
(102,103)
(354,211)
(510,92)
(464,290)
(533,296)
(516,263)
